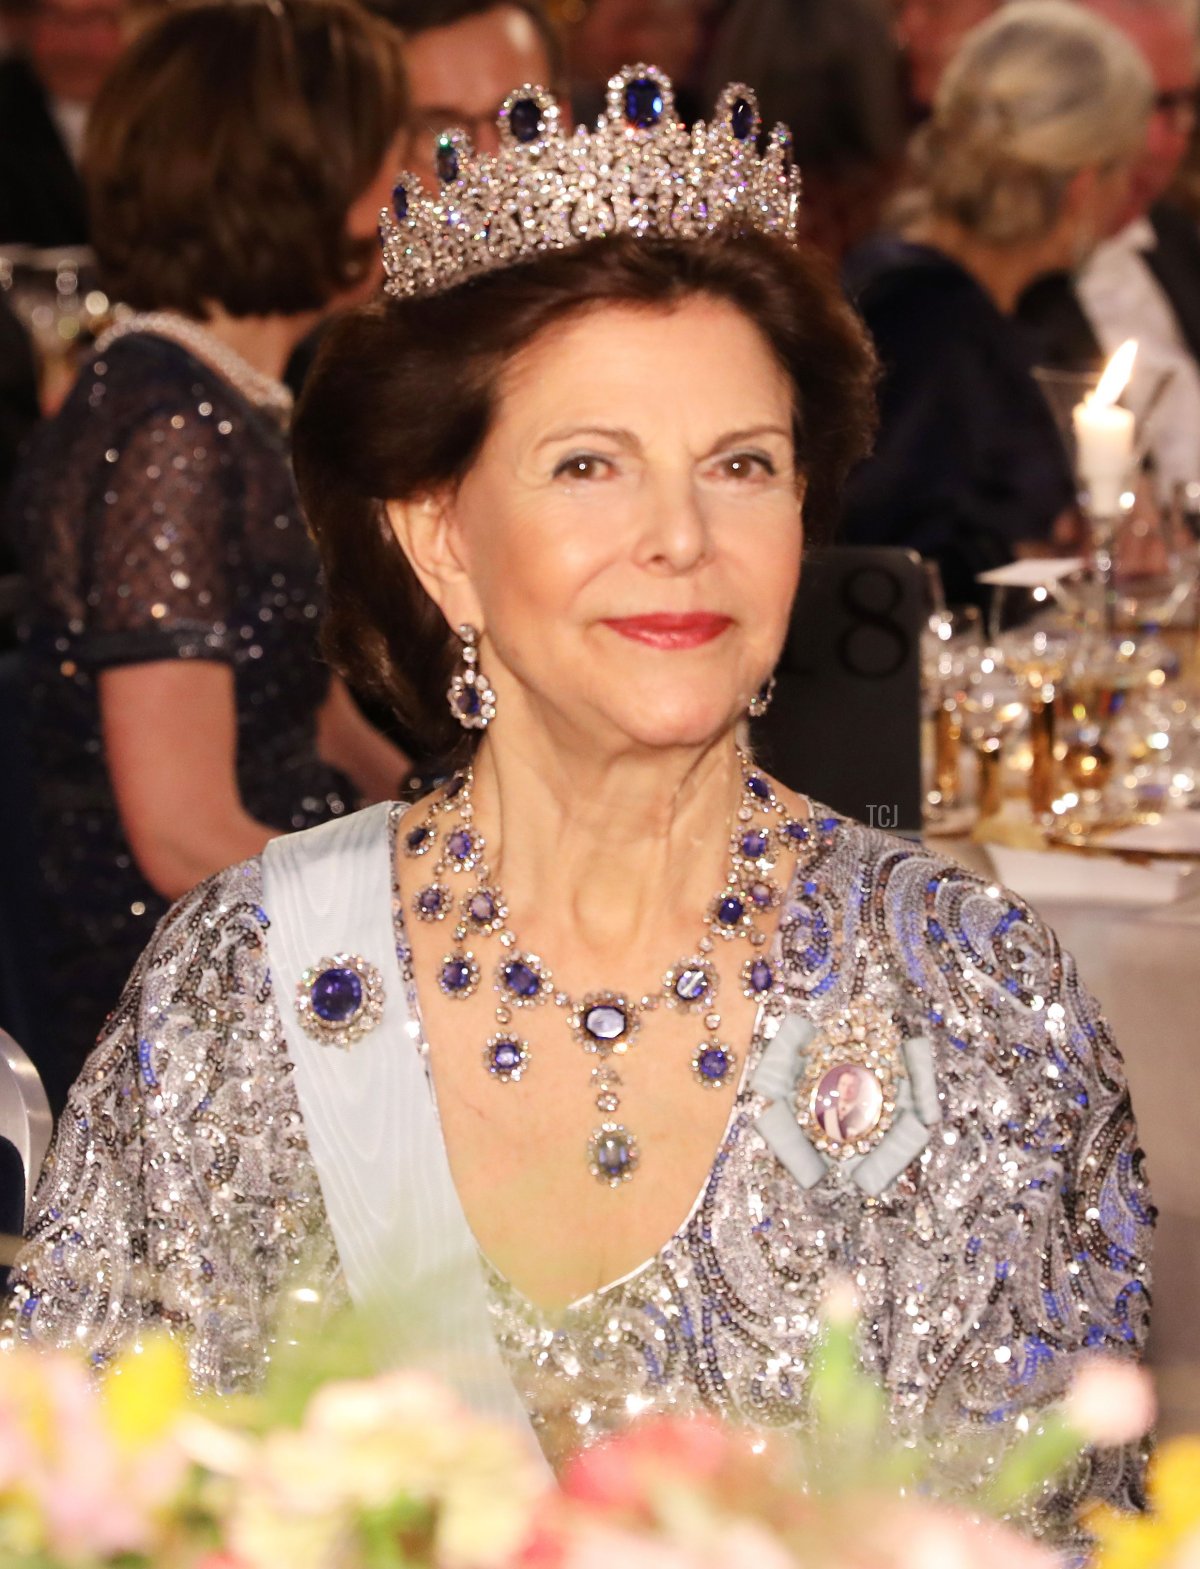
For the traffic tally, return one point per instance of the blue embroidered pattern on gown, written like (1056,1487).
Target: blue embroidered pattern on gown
(180,1188)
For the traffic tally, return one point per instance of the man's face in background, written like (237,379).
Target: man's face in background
(459,75)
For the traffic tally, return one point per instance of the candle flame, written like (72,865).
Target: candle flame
(1116,376)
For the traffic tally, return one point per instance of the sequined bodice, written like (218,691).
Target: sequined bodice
(157,519)
(181,1186)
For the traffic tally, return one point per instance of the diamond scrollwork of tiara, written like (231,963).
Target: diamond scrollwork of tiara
(639,171)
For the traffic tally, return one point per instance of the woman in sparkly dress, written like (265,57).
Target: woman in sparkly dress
(563,1032)
(181,714)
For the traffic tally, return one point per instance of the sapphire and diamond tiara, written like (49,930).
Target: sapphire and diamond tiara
(640,171)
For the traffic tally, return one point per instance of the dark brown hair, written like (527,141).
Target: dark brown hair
(227,146)
(414,17)
(403,392)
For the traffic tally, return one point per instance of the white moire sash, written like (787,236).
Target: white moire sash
(369,1115)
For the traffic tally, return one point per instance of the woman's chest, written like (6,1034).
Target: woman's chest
(579,1167)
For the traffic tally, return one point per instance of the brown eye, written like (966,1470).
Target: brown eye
(582,465)
(747,465)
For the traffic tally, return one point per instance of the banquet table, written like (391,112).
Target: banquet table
(1142,962)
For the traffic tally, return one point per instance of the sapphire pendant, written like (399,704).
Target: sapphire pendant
(612,1154)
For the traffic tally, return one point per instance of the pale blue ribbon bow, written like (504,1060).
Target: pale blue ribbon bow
(918,1111)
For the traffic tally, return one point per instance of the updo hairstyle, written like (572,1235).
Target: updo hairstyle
(403,394)
(1042,90)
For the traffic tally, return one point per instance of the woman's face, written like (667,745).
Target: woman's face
(630,534)
(362,224)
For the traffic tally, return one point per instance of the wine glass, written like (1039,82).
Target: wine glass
(994,706)
(1099,688)
(1034,637)
(1156,561)
(948,640)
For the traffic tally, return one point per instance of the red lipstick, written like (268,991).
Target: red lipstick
(671,631)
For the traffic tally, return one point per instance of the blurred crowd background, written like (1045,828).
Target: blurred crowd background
(1003,188)
(855,80)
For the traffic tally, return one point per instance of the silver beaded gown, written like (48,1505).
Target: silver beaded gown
(180,1189)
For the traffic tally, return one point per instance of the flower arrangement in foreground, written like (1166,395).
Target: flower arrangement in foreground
(392,1472)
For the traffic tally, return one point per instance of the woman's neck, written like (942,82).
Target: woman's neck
(1004,272)
(264,342)
(608,853)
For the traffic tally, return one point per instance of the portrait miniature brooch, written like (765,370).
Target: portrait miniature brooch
(853,1093)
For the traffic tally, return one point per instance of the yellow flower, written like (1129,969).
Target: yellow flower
(1175,1483)
(145,1392)
(1167,1537)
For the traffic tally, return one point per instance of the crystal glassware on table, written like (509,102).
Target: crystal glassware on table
(56,296)
(993,707)
(1099,730)
(1034,637)
(948,639)
(1155,561)
(1158,742)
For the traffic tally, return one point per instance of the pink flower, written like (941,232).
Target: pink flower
(731,1546)
(933,1536)
(1110,1402)
(622,1472)
(90,1498)
(841,1304)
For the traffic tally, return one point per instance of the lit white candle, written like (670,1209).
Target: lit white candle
(1104,436)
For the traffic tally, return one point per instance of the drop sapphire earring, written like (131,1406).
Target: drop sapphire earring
(470,695)
(761,700)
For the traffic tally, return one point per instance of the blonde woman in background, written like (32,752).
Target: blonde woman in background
(1021,169)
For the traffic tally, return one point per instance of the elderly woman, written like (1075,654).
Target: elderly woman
(236,161)
(562,1032)
(1021,169)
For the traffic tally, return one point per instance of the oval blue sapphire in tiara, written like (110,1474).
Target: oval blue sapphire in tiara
(498,210)
(445,161)
(400,203)
(644,103)
(525,117)
(741,120)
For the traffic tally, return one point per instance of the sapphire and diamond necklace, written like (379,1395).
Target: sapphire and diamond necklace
(605,1023)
